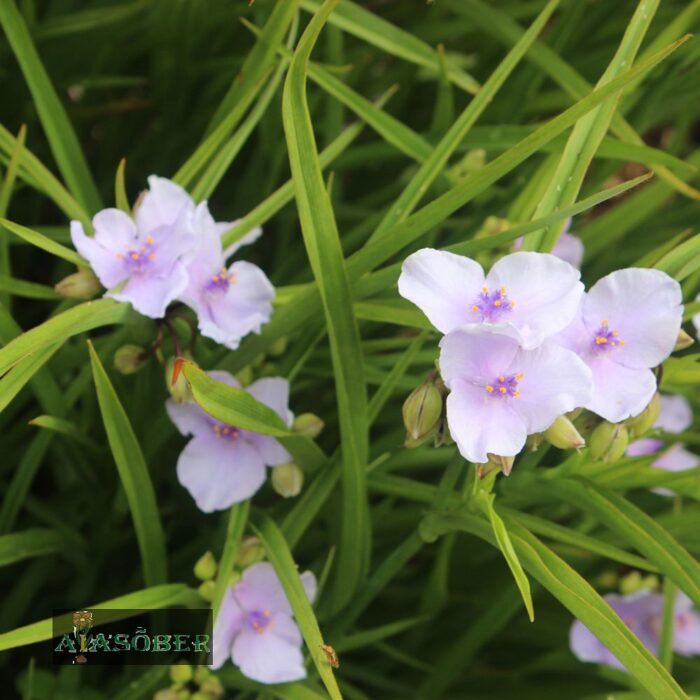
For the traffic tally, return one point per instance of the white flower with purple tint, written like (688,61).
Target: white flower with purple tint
(222,464)
(255,627)
(144,253)
(627,323)
(568,247)
(527,296)
(675,416)
(501,393)
(642,613)
(229,302)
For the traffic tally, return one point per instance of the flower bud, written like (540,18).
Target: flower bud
(608,441)
(180,390)
(422,410)
(505,464)
(640,424)
(233,578)
(80,285)
(212,688)
(206,590)
(634,582)
(287,479)
(308,424)
(250,552)
(129,359)
(684,340)
(205,568)
(563,434)
(166,694)
(201,674)
(278,347)
(181,673)
(534,441)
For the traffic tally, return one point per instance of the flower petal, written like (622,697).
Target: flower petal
(188,418)
(442,285)
(114,229)
(105,263)
(228,624)
(273,392)
(676,459)
(644,306)
(475,355)
(619,392)
(480,423)
(220,472)
(586,647)
(554,381)
(271,450)
(675,415)
(150,295)
(570,249)
(269,657)
(162,204)
(646,446)
(546,292)
(260,589)
(247,239)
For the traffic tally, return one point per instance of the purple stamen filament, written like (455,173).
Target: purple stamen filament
(228,432)
(505,385)
(606,339)
(220,282)
(139,259)
(492,305)
(260,620)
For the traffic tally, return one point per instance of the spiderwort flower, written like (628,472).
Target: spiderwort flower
(568,247)
(628,323)
(527,296)
(222,464)
(501,393)
(256,629)
(144,253)
(229,302)
(642,613)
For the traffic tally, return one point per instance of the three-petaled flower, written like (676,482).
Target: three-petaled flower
(255,627)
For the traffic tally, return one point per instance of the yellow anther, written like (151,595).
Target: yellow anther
(600,340)
(620,342)
(143,248)
(616,332)
(475,308)
(502,290)
(512,304)
(497,303)
(489,388)
(604,322)
(134,256)
(519,375)
(120,256)
(485,290)
(150,240)
(516,393)
(215,278)
(502,389)
(501,378)
(152,257)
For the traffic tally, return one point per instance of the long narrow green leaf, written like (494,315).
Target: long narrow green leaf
(29,543)
(134,476)
(237,519)
(59,132)
(14,381)
(281,559)
(169,595)
(29,290)
(84,317)
(40,241)
(326,257)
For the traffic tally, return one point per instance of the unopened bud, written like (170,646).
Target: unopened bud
(287,479)
(180,389)
(278,347)
(642,423)
(205,568)
(534,441)
(563,434)
(308,424)
(608,441)
(505,464)
(233,578)
(492,226)
(201,674)
(166,694)
(442,434)
(250,552)
(608,579)
(684,340)
(634,582)
(129,359)
(422,410)
(181,673)
(80,285)
(212,688)
(206,590)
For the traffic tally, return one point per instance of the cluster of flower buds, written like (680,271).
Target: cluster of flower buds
(525,348)
(189,683)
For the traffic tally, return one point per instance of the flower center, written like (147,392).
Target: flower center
(505,385)
(138,259)
(606,339)
(220,283)
(491,306)
(227,432)
(260,620)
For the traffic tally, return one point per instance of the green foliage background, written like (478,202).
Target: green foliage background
(429,119)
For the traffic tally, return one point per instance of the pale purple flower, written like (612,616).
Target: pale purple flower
(222,464)
(642,612)
(229,302)
(145,253)
(568,247)
(501,393)
(627,323)
(527,296)
(255,627)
